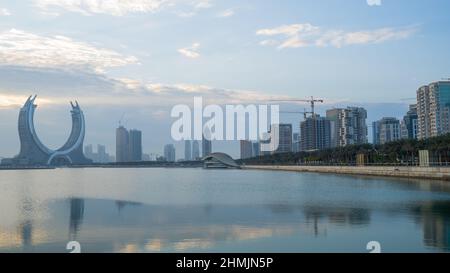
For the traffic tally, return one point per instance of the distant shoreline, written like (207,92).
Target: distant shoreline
(428,173)
(105,166)
(25,168)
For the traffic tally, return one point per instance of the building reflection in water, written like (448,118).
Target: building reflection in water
(122,204)
(337,216)
(318,217)
(26,233)
(435,218)
(76,216)
(179,228)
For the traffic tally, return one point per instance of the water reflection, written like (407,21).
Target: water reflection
(435,221)
(124,226)
(76,217)
(122,204)
(26,233)
(244,212)
(335,216)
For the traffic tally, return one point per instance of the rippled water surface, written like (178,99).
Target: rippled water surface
(196,210)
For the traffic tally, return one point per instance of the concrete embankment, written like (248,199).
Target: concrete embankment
(435,173)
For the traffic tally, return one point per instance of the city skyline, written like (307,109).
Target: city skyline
(203,129)
(346,126)
(142,63)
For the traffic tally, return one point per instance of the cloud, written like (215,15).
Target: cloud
(226,13)
(190,52)
(202,4)
(185,92)
(374,2)
(5,12)
(22,48)
(10,101)
(117,7)
(59,86)
(305,35)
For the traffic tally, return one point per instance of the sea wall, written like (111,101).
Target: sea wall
(435,173)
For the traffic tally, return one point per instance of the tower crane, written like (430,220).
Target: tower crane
(313,102)
(305,113)
(121,119)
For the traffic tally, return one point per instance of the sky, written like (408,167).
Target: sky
(135,59)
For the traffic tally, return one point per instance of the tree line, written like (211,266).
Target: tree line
(402,152)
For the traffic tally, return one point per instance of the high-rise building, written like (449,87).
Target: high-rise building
(135,146)
(34,153)
(284,136)
(195,150)
(376,132)
(266,140)
(146,157)
(169,153)
(246,149)
(296,143)
(128,145)
(89,151)
(122,145)
(423,112)
(101,156)
(409,123)
(206,145)
(349,126)
(187,150)
(433,109)
(315,133)
(387,129)
(256,149)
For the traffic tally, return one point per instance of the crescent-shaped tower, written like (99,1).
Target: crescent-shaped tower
(34,153)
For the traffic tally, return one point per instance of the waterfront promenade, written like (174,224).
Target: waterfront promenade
(435,173)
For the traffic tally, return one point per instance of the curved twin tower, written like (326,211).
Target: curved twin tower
(34,153)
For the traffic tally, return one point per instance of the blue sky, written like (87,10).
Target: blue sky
(140,57)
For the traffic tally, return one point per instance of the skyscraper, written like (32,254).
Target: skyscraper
(122,144)
(102,155)
(409,123)
(315,133)
(296,143)
(34,153)
(423,112)
(187,150)
(433,109)
(348,126)
(206,144)
(376,132)
(170,153)
(266,140)
(285,137)
(195,150)
(246,149)
(146,157)
(388,130)
(135,145)
(256,149)
(89,151)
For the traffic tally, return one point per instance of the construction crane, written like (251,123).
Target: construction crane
(305,113)
(121,119)
(408,99)
(313,102)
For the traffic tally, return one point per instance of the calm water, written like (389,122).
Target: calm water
(195,210)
